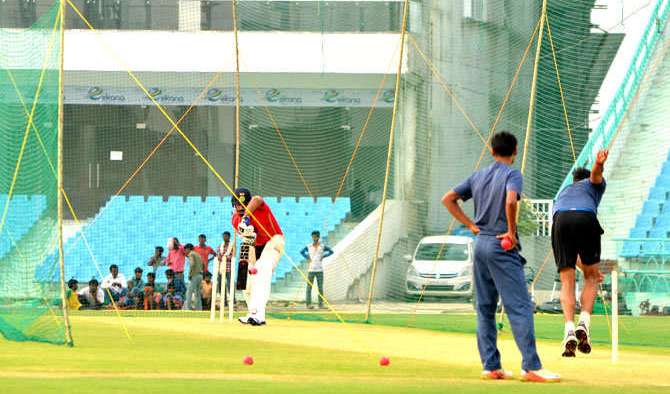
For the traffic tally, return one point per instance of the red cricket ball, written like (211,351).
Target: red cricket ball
(506,244)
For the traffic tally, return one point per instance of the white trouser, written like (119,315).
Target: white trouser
(261,283)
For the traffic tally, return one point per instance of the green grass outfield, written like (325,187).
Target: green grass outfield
(656,329)
(170,355)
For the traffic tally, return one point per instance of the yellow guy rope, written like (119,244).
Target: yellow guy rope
(193,146)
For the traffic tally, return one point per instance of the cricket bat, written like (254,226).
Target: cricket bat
(247,256)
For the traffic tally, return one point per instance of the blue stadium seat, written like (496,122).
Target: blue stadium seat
(662,221)
(176,199)
(645,221)
(22,214)
(288,203)
(651,207)
(307,202)
(663,180)
(194,200)
(272,201)
(658,193)
(631,249)
(213,200)
(639,232)
(658,233)
(324,200)
(125,232)
(155,199)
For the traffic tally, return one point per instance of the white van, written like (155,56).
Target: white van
(441,267)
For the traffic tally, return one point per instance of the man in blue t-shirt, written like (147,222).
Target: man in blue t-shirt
(496,190)
(575,234)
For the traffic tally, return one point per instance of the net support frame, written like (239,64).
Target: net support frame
(61,251)
(236,180)
(389,153)
(615,314)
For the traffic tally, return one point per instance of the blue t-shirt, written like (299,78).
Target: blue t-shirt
(580,196)
(489,187)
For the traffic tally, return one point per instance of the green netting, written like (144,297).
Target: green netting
(317,88)
(29,63)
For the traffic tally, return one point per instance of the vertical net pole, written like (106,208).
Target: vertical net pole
(236,181)
(61,258)
(237,96)
(531,112)
(389,153)
(615,314)
(533,87)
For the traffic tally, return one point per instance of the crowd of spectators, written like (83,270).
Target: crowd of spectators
(144,292)
(177,291)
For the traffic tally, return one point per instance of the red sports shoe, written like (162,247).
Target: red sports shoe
(498,374)
(540,376)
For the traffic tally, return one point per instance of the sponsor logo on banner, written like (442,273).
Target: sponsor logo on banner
(332,96)
(96,93)
(274,96)
(157,95)
(388,96)
(216,95)
(155,92)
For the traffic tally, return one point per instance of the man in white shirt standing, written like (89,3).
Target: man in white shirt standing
(115,284)
(315,253)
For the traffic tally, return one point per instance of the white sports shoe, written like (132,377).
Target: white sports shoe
(244,320)
(255,322)
(540,376)
(582,334)
(569,344)
(498,374)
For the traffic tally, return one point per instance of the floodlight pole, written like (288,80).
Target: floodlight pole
(59,197)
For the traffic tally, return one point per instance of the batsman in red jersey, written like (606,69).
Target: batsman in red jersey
(269,246)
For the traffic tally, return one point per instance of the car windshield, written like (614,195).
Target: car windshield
(445,252)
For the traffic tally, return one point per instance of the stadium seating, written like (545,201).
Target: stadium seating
(653,222)
(23,213)
(127,229)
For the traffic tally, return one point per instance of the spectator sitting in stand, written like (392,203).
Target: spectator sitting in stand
(152,293)
(136,285)
(91,297)
(71,297)
(179,287)
(172,300)
(206,291)
(115,284)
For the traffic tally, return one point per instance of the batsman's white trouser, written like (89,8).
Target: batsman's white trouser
(261,283)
